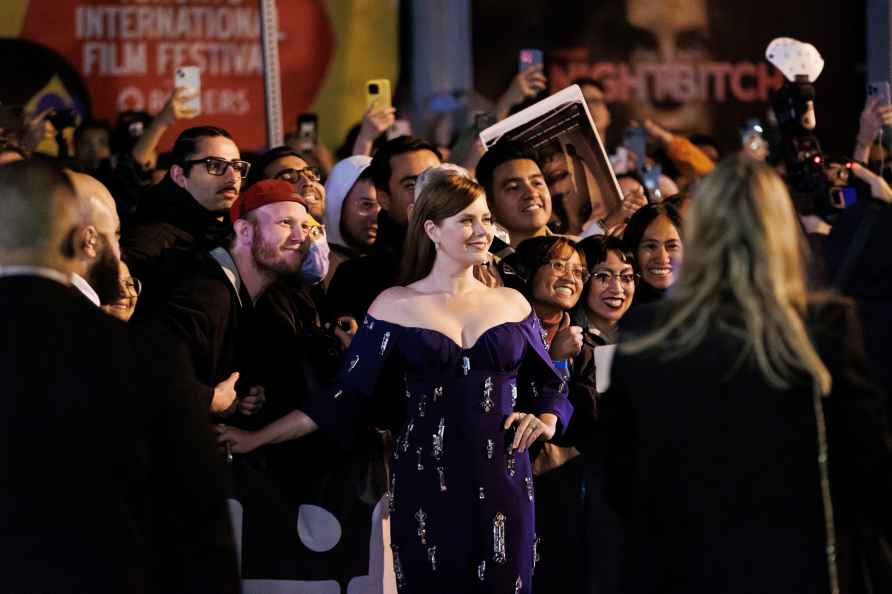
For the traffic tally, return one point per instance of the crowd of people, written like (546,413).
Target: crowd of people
(683,392)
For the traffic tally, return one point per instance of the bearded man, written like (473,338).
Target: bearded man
(210,306)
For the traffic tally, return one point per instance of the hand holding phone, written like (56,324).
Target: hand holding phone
(307,131)
(635,140)
(378,94)
(189,77)
(881,90)
(529,58)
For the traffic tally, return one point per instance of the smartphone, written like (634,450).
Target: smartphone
(307,131)
(483,120)
(399,128)
(880,88)
(635,140)
(190,77)
(377,94)
(530,57)
(650,175)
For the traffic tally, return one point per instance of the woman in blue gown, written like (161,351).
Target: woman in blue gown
(475,388)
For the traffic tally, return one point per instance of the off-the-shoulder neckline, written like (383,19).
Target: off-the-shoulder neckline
(449,338)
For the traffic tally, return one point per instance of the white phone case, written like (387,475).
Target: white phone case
(190,77)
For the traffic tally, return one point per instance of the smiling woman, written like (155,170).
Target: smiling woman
(653,235)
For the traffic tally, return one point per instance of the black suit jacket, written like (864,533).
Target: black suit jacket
(109,481)
(716,472)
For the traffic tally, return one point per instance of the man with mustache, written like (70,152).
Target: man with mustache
(186,209)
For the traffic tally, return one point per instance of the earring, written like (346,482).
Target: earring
(437,245)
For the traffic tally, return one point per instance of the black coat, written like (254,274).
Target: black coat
(169,220)
(716,474)
(357,282)
(109,482)
(202,314)
(869,280)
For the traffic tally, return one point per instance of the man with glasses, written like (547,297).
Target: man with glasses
(186,209)
(286,164)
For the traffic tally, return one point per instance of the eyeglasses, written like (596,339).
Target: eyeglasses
(216,166)
(132,285)
(605,277)
(561,268)
(293,175)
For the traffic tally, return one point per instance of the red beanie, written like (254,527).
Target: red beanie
(264,192)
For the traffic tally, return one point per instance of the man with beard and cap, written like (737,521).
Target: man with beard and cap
(210,304)
(109,485)
(186,209)
(394,169)
(351,219)
(95,243)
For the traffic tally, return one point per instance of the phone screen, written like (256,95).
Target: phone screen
(636,142)
(880,88)
(529,58)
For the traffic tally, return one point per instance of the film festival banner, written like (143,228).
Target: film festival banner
(102,57)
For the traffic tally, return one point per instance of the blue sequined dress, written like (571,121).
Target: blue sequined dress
(462,518)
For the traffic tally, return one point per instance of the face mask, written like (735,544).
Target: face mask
(315,264)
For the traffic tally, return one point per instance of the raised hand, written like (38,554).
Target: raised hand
(567,342)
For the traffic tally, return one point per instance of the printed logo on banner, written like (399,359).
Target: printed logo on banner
(127,52)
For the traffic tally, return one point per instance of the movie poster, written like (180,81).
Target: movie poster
(694,66)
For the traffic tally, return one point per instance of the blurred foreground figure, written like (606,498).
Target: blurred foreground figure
(109,485)
(748,453)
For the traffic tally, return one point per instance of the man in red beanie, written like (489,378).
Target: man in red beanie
(211,304)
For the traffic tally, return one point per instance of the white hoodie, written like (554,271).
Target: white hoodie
(339,183)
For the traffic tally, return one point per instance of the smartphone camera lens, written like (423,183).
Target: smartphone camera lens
(373,89)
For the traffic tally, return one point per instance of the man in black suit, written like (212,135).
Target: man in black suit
(109,483)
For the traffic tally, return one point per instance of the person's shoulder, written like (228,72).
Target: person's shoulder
(390,302)
(511,300)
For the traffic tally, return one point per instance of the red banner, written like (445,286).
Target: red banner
(126,51)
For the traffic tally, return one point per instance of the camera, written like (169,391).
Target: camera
(62,118)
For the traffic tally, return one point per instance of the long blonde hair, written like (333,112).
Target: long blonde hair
(743,247)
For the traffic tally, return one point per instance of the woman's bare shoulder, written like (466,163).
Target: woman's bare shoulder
(390,304)
(511,301)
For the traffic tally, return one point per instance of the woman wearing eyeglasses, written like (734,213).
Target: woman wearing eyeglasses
(609,292)
(555,271)
(747,452)
(129,293)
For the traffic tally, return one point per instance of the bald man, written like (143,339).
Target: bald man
(109,482)
(95,243)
